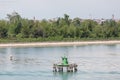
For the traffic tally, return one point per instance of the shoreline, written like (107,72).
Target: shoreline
(47,44)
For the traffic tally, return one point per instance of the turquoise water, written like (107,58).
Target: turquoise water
(95,62)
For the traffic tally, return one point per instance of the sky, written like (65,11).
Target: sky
(49,9)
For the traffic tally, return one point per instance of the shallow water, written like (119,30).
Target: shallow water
(95,62)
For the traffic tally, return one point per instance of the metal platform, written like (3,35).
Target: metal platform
(62,68)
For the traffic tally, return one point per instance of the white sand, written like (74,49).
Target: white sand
(42,44)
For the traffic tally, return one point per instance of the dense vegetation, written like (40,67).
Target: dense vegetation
(16,28)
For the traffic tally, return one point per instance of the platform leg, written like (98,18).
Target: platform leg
(60,69)
(68,69)
(54,68)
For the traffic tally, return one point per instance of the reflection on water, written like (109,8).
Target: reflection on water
(64,75)
(95,62)
(8,60)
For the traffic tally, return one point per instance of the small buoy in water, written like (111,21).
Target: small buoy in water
(11,57)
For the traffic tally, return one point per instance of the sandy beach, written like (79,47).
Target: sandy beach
(43,44)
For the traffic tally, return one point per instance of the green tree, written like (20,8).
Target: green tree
(76,22)
(66,18)
(14,24)
(3,29)
(111,28)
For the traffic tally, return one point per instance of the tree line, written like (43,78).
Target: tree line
(17,28)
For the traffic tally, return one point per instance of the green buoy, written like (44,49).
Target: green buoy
(64,61)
